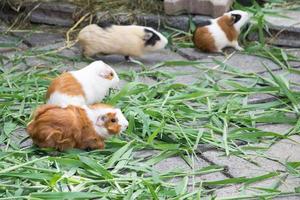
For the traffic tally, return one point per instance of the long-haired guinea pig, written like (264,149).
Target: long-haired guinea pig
(86,86)
(221,32)
(75,127)
(128,40)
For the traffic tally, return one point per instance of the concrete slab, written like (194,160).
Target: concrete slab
(148,60)
(250,64)
(239,61)
(289,19)
(10,43)
(260,98)
(293,79)
(33,39)
(276,128)
(284,30)
(20,138)
(286,150)
(194,54)
(177,163)
(237,166)
(53,13)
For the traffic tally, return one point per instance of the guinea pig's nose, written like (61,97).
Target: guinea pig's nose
(125,126)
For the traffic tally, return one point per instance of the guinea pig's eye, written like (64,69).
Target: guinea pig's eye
(113,120)
(111,74)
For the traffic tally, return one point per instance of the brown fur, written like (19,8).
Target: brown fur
(226,24)
(100,105)
(111,124)
(66,84)
(63,128)
(203,40)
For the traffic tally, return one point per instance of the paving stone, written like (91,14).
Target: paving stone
(290,183)
(194,54)
(155,21)
(71,52)
(250,2)
(228,191)
(20,138)
(295,197)
(144,153)
(292,78)
(260,98)
(37,39)
(3,25)
(286,150)
(53,13)
(285,31)
(244,63)
(10,43)
(204,7)
(250,64)
(149,59)
(295,52)
(199,19)
(239,167)
(276,128)
(177,163)
(291,19)
(236,190)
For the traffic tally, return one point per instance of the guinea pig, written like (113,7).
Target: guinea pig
(128,40)
(221,32)
(75,127)
(85,86)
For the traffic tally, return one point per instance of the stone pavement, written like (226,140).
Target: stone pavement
(271,161)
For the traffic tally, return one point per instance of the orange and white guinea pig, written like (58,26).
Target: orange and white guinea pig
(86,86)
(130,40)
(221,32)
(83,127)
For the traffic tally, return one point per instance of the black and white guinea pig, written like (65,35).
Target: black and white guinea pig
(130,40)
(221,32)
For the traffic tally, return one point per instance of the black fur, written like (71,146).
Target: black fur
(237,17)
(153,40)
(105,24)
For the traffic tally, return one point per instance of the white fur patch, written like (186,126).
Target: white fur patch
(64,100)
(94,85)
(94,114)
(219,36)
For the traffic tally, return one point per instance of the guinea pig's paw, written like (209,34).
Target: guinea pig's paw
(239,48)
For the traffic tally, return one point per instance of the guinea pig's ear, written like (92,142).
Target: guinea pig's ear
(107,74)
(148,35)
(101,120)
(235,18)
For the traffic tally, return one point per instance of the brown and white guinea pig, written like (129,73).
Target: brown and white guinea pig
(221,32)
(86,86)
(130,40)
(75,127)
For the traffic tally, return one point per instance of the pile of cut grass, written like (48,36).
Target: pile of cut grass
(171,118)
